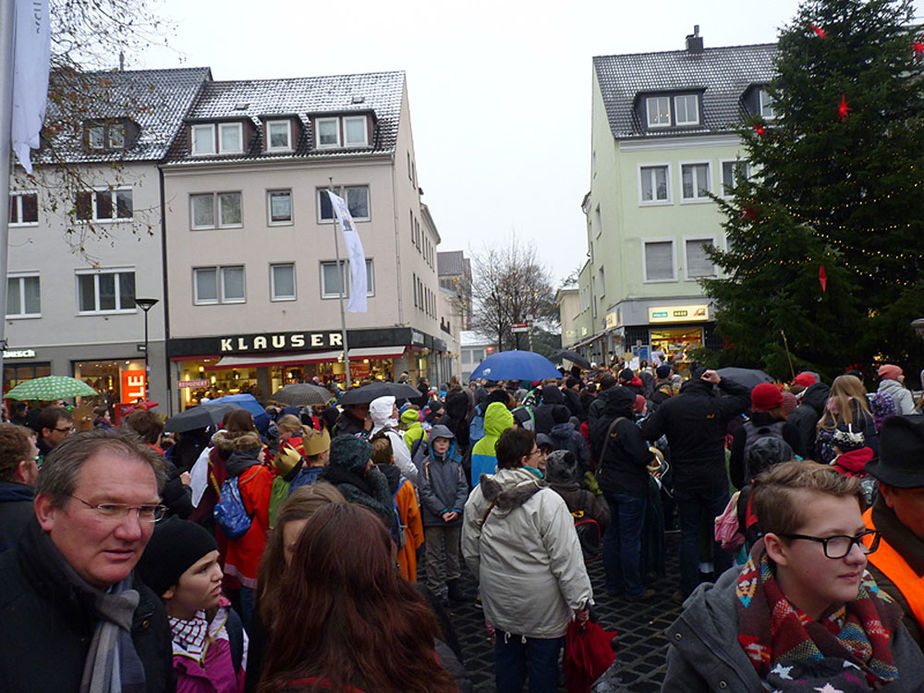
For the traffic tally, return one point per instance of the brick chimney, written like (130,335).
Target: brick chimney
(695,41)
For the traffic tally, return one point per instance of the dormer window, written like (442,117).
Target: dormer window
(203,139)
(278,136)
(230,139)
(96,137)
(345,131)
(659,111)
(354,131)
(117,136)
(765,104)
(328,132)
(106,135)
(686,109)
(680,110)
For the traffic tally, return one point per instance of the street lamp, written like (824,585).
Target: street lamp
(146,304)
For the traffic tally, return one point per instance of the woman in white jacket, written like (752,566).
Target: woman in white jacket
(519,538)
(384,414)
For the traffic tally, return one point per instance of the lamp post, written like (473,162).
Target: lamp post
(146,304)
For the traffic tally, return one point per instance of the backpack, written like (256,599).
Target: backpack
(399,533)
(588,534)
(230,512)
(476,427)
(727,530)
(881,405)
(755,433)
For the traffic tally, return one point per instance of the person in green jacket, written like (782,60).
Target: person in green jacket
(410,424)
(497,419)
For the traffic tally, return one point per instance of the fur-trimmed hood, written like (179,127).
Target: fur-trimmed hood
(511,495)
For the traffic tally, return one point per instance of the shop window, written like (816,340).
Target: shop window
(23,296)
(105,204)
(699,264)
(279,207)
(282,282)
(218,285)
(23,208)
(357,199)
(332,280)
(659,261)
(106,291)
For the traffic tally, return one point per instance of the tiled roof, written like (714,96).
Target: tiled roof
(724,74)
(301,97)
(156,100)
(450,263)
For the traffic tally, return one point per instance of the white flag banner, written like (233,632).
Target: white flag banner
(355,253)
(31,55)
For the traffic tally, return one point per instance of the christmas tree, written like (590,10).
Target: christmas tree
(826,234)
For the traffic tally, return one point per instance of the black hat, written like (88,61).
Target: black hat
(174,548)
(901,449)
(663,371)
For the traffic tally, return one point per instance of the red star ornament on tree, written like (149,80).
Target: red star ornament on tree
(823,278)
(918,48)
(819,32)
(843,109)
(749,213)
(759,129)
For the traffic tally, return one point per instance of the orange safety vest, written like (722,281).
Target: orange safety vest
(894,567)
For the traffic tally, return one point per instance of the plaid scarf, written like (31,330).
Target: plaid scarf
(855,637)
(191,634)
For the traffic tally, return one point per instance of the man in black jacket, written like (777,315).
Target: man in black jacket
(72,616)
(18,473)
(695,423)
(806,415)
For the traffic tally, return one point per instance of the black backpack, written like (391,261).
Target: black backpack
(756,433)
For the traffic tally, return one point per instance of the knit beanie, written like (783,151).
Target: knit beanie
(805,379)
(765,397)
(889,371)
(350,453)
(174,548)
(663,371)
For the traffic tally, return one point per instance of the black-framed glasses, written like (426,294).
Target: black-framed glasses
(118,511)
(840,545)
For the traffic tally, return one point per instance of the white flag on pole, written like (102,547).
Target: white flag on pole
(355,253)
(31,55)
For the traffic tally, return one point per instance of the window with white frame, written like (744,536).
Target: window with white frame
(357,199)
(654,183)
(686,109)
(765,104)
(698,262)
(230,138)
(282,281)
(23,208)
(659,261)
(278,135)
(279,207)
(695,183)
(659,111)
(219,285)
(96,137)
(106,291)
(117,136)
(23,296)
(203,139)
(215,210)
(732,172)
(328,132)
(332,280)
(355,133)
(106,204)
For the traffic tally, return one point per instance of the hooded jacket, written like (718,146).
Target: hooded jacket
(380,411)
(413,429)
(566,437)
(806,415)
(904,402)
(622,467)
(526,553)
(16,511)
(455,418)
(255,482)
(497,419)
(551,397)
(563,476)
(443,487)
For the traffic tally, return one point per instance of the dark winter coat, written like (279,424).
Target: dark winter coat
(551,397)
(15,512)
(47,623)
(737,465)
(622,467)
(806,415)
(349,425)
(456,418)
(442,487)
(695,422)
(566,437)
(574,404)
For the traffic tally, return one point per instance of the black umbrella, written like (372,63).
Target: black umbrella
(367,393)
(302,394)
(199,417)
(749,377)
(574,357)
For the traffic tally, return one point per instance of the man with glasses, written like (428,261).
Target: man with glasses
(53,425)
(72,616)
(802,613)
(898,515)
(18,473)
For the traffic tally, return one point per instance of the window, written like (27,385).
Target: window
(698,262)
(686,109)
(106,291)
(601,281)
(328,132)
(659,111)
(203,139)
(278,135)
(23,296)
(357,199)
(354,131)
(23,208)
(215,210)
(332,280)
(117,136)
(96,137)
(218,285)
(695,181)
(105,135)
(230,138)
(282,282)
(732,172)
(279,207)
(104,205)
(654,186)
(659,261)
(765,104)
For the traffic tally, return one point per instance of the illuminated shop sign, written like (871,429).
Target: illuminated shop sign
(678,314)
(286,341)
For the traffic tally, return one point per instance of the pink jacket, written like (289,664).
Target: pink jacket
(214,673)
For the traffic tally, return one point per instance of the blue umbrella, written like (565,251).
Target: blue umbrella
(516,365)
(248,402)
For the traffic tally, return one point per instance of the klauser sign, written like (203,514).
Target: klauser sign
(284,341)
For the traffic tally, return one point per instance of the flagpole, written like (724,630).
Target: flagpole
(7,33)
(346,348)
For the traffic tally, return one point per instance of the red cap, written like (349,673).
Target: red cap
(765,397)
(889,371)
(804,379)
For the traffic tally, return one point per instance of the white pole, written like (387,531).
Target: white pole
(7,34)
(343,276)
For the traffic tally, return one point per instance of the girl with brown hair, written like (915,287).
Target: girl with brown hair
(352,624)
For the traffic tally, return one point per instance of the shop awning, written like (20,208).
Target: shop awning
(383,352)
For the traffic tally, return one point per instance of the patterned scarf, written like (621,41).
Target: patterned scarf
(191,634)
(855,638)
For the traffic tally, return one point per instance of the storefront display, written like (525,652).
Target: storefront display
(116,380)
(676,343)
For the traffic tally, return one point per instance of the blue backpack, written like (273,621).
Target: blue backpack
(230,513)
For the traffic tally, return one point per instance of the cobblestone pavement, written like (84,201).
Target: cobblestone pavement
(641,648)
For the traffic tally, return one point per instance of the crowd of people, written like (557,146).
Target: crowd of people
(282,550)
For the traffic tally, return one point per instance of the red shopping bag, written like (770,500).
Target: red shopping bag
(588,654)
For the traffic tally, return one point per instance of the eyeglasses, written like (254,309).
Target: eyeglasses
(69,429)
(535,452)
(840,545)
(118,511)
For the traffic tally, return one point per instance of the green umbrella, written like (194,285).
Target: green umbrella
(51,387)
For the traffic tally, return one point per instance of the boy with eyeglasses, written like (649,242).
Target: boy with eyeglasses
(802,613)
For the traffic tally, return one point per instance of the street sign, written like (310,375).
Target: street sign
(519,327)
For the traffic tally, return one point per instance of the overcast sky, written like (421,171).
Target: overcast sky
(500,92)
